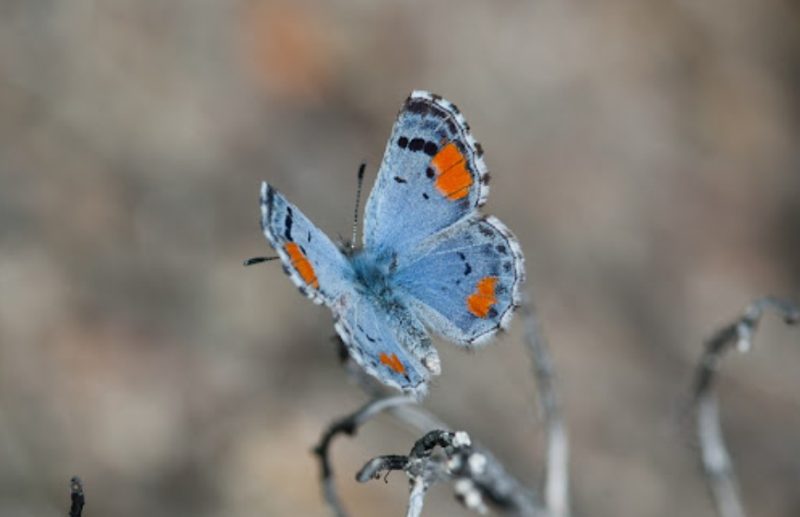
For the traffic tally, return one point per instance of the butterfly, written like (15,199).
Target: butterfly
(430,261)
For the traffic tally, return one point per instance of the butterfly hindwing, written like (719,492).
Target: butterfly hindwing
(313,262)
(389,345)
(464,283)
(432,175)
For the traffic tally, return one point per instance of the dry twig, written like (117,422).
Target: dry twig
(716,460)
(479,479)
(348,425)
(556,488)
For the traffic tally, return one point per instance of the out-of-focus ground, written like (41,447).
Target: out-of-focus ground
(644,152)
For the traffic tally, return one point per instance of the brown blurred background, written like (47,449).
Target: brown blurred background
(644,152)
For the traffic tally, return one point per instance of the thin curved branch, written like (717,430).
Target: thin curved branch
(715,457)
(557,475)
(348,425)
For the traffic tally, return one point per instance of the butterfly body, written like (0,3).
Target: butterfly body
(374,273)
(430,260)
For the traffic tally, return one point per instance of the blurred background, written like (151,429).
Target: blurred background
(644,152)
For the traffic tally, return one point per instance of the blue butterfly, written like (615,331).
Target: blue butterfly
(429,260)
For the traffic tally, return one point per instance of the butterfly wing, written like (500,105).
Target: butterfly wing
(311,260)
(391,346)
(432,176)
(464,283)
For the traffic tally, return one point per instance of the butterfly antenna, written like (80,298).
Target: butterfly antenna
(258,260)
(358,203)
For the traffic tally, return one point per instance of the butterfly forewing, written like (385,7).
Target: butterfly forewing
(432,175)
(313,262)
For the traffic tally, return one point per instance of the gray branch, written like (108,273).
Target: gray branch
(715,458)
(479,479)
(348,425)
(475,477)
(557,475)
(506,491)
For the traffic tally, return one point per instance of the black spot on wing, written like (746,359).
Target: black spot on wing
(269,201)
(309,237)
(507,267)
(430,148)
(418,106)
(501,249)
(429,172)
(402,142)
(287,223)
(467,266)
(416,144)
(485,230)
(492,313)
(270,198)
(398,179)
(425,195)
(369,338)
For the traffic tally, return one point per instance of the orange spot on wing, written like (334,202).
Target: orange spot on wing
(482,299)
(301,264)
(393,362)
(453,180)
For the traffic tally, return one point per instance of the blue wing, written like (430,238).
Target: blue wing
(432,176)
(464,283)
(385,339)
(313,262)
(390,345)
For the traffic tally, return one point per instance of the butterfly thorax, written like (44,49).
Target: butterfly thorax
(373,273)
